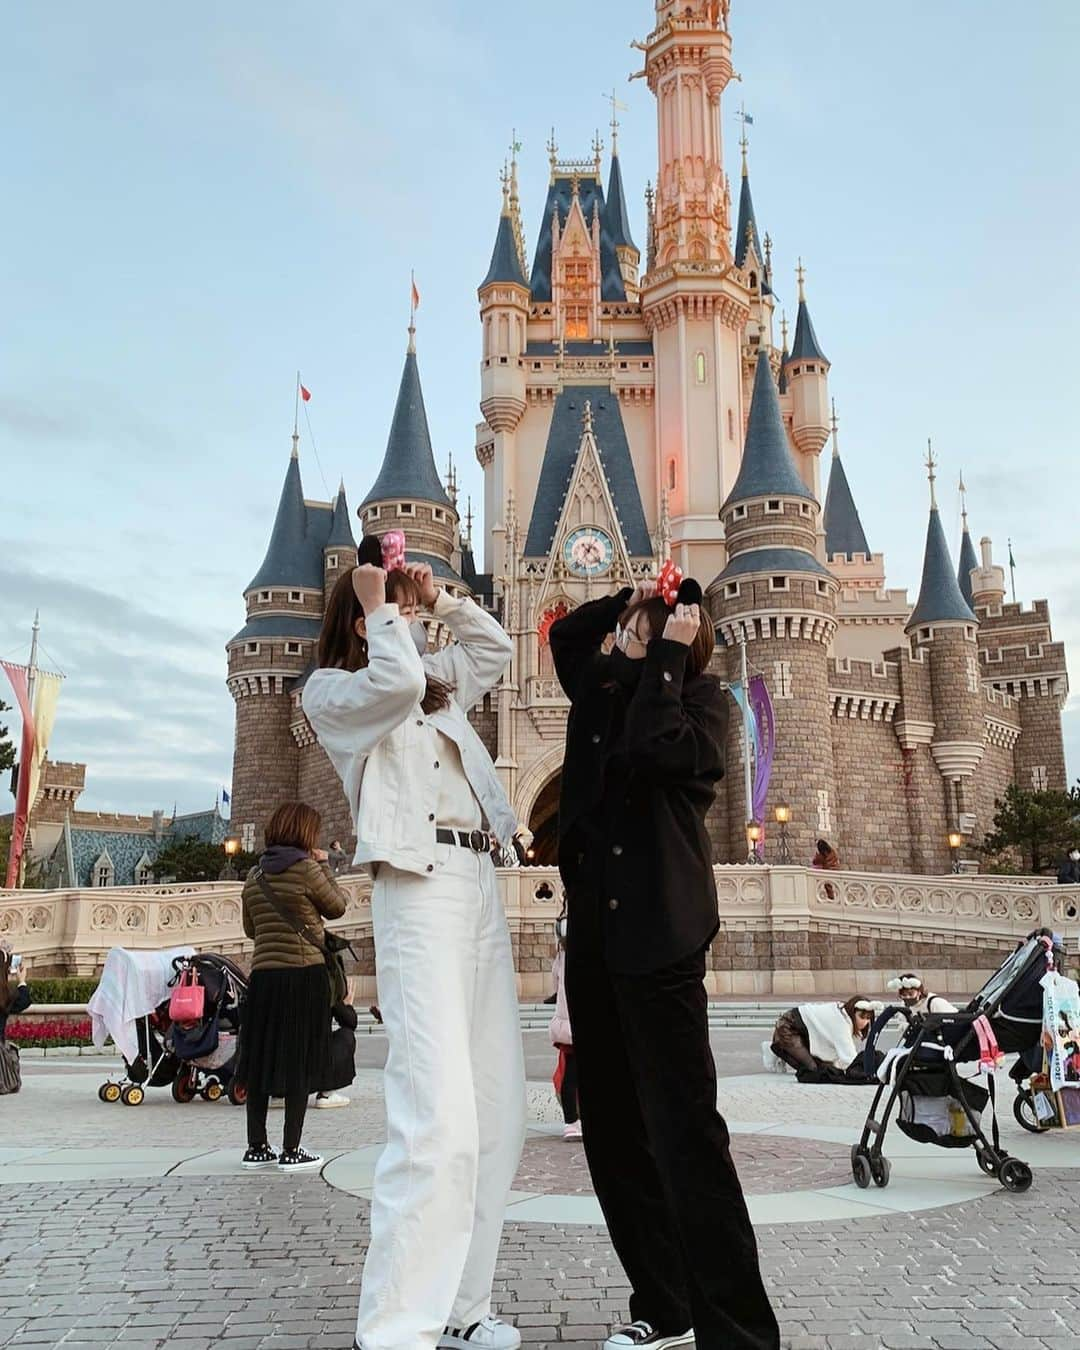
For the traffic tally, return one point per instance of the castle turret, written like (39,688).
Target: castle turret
(808,383)
(408,494)
(943,626)
(339,554)
(775,596)
(273,649)
(987,580)
(844,533)
(616,224)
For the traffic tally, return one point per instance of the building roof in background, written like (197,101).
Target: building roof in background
(940,598)
(767,468)
(844,534)
(408,467)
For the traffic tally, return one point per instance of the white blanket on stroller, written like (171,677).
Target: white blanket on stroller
(132,985)
(832,1037)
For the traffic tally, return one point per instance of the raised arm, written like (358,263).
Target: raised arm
(352,711)
(474,662)
(576,639)
(674,729)
(323,891)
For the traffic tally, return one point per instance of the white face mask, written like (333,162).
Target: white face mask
(418,633)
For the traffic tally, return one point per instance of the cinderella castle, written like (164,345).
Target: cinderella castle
(640,406)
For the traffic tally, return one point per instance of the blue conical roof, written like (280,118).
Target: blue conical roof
(294,555)
(408,467)
(844,534)
(940,599)
(806,344)
(505,263)
(968,563)
(341,535)
(767,468)
(747,225)
(616,217)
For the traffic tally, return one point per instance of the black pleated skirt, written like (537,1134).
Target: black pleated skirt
(285,1031)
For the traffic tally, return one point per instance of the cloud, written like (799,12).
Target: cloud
(63,417)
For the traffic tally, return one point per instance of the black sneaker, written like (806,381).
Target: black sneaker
(299,1160)
(644,1333)
(263,1156)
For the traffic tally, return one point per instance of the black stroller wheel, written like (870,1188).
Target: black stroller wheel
(988,1161)
(880,1170)
(237,1093)
(1015,1176)
(860,1168)
(1026,1115)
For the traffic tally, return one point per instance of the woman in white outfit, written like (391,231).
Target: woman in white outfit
(429,811)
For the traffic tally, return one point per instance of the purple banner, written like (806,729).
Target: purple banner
(765,720)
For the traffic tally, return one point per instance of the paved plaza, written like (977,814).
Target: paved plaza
(134,1226)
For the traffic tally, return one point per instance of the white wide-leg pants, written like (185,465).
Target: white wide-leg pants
(455,1101)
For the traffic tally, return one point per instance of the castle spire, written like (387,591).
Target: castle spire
(341,535)
(289,559)
(969,561)
(806,345)
(616,216)
(940,598)
(515,204)
(767,467)
(505,257)
(844,533)
(408,468)
(746,231)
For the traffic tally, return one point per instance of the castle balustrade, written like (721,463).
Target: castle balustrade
(783,930)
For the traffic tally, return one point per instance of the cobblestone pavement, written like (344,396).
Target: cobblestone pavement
(267,1261)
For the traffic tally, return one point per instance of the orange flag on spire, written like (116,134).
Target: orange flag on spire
(305,394)
(415,295)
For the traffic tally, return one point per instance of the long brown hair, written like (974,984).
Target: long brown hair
(295,825)
(851,1007)
(657,613)
(6,995)
(341,647)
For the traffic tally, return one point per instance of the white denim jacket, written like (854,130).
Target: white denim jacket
(383,745)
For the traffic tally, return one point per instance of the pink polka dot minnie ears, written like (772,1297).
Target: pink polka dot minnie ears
(675,589)
(387,551)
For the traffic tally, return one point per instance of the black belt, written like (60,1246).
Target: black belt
(479,841)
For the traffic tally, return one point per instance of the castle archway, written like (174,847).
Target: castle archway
(544,823)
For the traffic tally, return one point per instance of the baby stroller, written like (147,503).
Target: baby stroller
(130,1005)
(206,1050)
(935,1105)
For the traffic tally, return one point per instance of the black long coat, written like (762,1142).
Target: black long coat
(639,775)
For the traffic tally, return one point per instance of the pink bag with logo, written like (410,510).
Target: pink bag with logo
(188,999)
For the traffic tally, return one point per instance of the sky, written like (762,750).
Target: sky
(199,205)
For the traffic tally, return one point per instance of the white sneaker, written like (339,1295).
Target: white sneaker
(572,1131)
(326,1101)
(489,1334)
(643,1333)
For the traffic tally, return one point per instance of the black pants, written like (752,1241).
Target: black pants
(657,1147)
(258,1104)
(568,1094)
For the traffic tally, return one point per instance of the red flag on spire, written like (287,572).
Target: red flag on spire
(415,295)
(305,394)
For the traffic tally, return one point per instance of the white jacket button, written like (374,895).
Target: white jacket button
(596,739)
(436,763)
(667,676)
(432,816)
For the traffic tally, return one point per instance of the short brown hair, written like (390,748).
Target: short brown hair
(657,613)
(295,825)
(341,648)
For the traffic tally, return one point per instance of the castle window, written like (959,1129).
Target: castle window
(331,560)
(804,508)
(372,513)
(822,587)
(102,873)
(646,365)
(624,365)
(296,597)
(730,425)
(778,584)
(251,649)
(1040,779)
(537,365)
(671,475)
(440,514)
(144,873)
(406,509)
(969,633)
(577,283)
(294,649)
(973,675)
(739,513)
(810,369)
(925,634)
(782,679)
(700,368)
(504,360)
(753,281)
(824,813)
(264,597)
(775,507)
(796,370)
(731,590)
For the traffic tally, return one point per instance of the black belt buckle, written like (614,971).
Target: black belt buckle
(479,842)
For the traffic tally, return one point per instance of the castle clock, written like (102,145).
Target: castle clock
(588,551)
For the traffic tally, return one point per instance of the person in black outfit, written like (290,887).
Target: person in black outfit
(644,752)
(1069,872)
(12,1002)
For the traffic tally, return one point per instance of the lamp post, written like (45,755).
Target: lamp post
(956,843)
(753,838)
(783,818)
(232,848)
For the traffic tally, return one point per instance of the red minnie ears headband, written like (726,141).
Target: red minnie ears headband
(674,589)
(387,552)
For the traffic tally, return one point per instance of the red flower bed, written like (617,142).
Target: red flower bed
(48,1032)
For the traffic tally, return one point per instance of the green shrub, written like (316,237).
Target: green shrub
(65,990)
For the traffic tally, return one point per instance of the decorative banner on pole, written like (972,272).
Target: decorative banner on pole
(739,695)
(46,697)
(765,726)
(17,675)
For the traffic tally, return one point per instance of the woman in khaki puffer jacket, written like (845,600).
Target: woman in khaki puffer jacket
(285,1029)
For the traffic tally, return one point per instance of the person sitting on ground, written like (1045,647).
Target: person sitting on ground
(828,859)
(914,996)
(822,1042)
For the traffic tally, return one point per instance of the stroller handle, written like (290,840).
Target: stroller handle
(882,1021)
